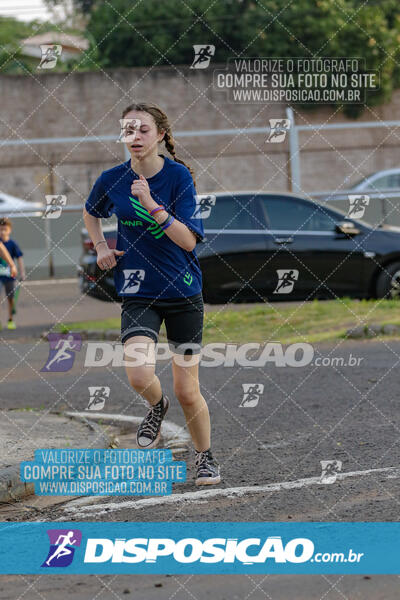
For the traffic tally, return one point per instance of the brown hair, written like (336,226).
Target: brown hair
(162,124)
(5,221)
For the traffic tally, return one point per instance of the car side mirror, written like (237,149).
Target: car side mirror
(347,228)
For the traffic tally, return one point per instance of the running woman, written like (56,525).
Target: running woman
(157,273)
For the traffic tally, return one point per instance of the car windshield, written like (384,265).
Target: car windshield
(342,215)
(362,180)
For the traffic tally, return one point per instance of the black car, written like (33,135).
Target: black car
(278,246)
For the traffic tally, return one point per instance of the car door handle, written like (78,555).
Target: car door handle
(288,240)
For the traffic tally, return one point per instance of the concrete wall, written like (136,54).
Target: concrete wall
(79,104)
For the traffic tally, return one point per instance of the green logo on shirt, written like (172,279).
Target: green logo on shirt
(142,213)
(187,278)
(131,223)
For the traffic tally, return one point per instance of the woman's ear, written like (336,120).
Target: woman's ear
(162,134)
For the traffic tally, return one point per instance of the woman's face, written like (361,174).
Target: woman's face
(146,137)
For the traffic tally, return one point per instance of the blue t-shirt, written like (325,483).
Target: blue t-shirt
(153,265)
(15,252)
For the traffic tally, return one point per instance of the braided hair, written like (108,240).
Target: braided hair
(162,124)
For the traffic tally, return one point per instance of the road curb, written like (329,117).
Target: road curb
(13,489)
(359,332)
(373,330)
(112,335)
(175,438)
(37,333)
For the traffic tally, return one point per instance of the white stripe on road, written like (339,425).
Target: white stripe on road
(49,281)
(207,494)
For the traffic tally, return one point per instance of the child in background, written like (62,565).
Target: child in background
(8,271)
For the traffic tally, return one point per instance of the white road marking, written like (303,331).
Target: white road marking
(76,506)
(49,281)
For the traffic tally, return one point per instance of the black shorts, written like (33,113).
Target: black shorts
(9,286)
(183,321)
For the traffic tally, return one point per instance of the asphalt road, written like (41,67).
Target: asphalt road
(198,587)
(305,415)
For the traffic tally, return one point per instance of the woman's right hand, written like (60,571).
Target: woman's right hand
(106,256)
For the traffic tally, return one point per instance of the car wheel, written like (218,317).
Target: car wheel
(388,284)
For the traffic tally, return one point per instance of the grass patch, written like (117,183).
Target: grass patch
(112,323)
(314,321)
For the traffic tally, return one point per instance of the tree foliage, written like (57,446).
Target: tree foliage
(132,33)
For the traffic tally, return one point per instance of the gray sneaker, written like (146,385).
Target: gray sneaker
(148,433)
(208,472)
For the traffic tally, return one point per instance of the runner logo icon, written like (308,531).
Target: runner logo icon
(202,55)
(203,206)
(98,397)
(62,547)
(287,278)
(62,352)
(358,204)
(129,127)
(251,394)
(278,130)
(330,470)
(50,54)
(133,279)
(54,206)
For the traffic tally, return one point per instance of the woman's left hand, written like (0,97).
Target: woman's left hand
(140,188)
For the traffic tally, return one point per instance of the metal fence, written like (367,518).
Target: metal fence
(56,244)
(384,204)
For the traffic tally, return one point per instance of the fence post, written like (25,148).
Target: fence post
(47,227)
(294,156)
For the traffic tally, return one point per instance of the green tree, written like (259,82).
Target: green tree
(126,33)
(14,61)
(152,32)
(11,33)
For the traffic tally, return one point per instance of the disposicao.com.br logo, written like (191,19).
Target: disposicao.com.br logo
(113,549)
(215,354)
(247,551)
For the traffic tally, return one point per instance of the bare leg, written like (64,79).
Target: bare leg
(194,406)
(10,302)
(142,377)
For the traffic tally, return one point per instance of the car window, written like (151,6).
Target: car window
(380,183)
(297,215)
(394,180)
(233,212)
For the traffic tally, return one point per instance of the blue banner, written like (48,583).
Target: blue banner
(204,548)
(84,471)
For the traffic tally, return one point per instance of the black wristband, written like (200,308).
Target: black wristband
(163,223)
